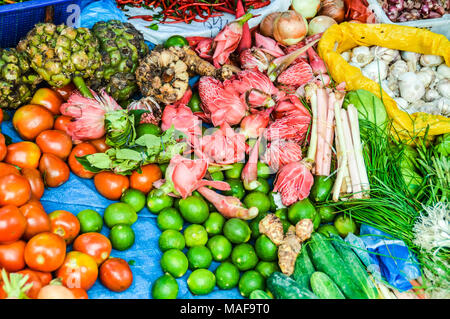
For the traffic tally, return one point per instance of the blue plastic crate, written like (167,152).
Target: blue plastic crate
(19,18)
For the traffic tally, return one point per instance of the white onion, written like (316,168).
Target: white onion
(290,28)
(319,24)
(307,8)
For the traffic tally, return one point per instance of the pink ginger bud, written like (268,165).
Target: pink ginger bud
(248,79)
(204,49)
(228,206)
(249,173)
(254,59)
(292,127)
(291,105)
(293,182)
(268,45)
(254,124)
(296,75)
(281,152)
(152,110)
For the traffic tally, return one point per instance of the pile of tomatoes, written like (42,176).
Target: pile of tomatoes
(34,243)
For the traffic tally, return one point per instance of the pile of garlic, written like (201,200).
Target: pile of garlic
(418,83)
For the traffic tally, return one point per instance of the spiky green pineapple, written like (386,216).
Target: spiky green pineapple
(121,46)
(61,54)
(17,79)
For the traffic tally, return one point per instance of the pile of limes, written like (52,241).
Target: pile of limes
(218,252)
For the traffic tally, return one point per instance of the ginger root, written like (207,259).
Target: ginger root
(288,251)
(272,227)
(304,229)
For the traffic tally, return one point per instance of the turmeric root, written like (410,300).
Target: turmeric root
(288,251)
(272,227)
(304,228)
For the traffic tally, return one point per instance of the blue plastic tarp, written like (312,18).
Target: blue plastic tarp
(78,194)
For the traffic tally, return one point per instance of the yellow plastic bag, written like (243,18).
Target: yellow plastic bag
(345,36)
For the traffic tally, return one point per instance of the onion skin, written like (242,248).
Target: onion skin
(55,292)
(290,28)
(307,8)
(266,25)
(334,9)
(319,24)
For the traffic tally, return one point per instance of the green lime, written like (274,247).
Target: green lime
(163,168)
(147,128)
(171,239)
(282,214)
(265,249)
(220,247)
(244,257)
(90,221)
(237,188)
(195,102)
(251,280)
(214,224)
(195,235)
(176,203)
(201,282)
(217,176)
(174,262)
(135,198)
(316,221)
(194,209)
(227,275)
(235,171)
(321,188)
(263,187)
(121,237)
(258,200)
(301,210)
(119,213)
(237,231)
(326,230)
(169,218)
(156,204)
(266,268)
(264,170)
(254,224)
(176,41)
(345,225)
(199,257)
(165,287)
(327,213)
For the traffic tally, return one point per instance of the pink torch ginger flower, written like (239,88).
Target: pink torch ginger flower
(221,103)
(292,127)
(268,45)
(253,125)
(150,106)
(249,173)
(296,75)
(289,106)
(222,147)
(183,176)
(254,59)
(204,49)
(293,182)
(256,98)
(228,206)
(249,79)
(281,152)
(319,68)
(89,114)
(227,41)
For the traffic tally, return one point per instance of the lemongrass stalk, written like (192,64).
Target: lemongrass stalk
(322,108)
(343,188)
(384,291)
(342,154)
(352,165)
(329,132)
(356,138)
(311,95)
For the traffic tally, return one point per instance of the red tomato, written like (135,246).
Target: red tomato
(12,224)
(116,275)
(14,190)
(30,120)
(62,122)
(6,169)
(65,91)
(79,270)
(3,148)
(45,252)
(45,277)
(100,144)
(111,185)
(144,181)
(49,99)
(23,154)
(34,279)
(55,170)
(95,245)
(55,142)
(64,224)
(75,166)
(79,293)
(12,256)
(34,178)
(37,220)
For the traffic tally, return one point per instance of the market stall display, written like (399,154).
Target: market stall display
(262,163)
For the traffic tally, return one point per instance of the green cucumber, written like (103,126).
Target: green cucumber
(304,268)
(259,294)
(324,287)
(284,287)
(326,259)
(355,267)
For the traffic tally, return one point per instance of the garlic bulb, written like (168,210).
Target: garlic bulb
(376,70)
(411,88)
(443,71)
(388,55)
(426,76)
(431,60)
(385,86)
(443,105)
(346,55)
(443,88)
(430,108)
(402,104)
(431,95)
(412,59)
(397,68)
(361,56)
